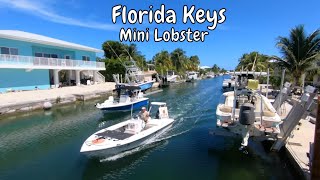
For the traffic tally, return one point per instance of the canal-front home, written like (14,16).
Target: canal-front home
(30,61)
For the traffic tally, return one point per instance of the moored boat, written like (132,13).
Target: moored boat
(246,112)
(192,76)
(171,77)
(134,77)
(130,97)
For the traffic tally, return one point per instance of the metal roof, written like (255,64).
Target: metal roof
(248,73)
(36,38)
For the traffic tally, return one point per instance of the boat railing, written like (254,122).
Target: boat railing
(31,62)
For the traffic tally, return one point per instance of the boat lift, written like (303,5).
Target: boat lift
(304,106)
(299,111)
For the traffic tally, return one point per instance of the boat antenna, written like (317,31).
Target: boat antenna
(128,54)
(114,52)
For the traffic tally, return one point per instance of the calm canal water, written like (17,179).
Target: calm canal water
(45,145)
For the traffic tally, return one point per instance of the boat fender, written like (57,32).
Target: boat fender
(47,105)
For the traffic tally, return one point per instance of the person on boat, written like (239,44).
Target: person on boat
(144,114)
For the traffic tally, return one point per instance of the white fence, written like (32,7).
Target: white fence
(30,62)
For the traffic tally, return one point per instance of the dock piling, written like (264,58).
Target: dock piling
(315,168)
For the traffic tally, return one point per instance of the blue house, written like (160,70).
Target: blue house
(31,61)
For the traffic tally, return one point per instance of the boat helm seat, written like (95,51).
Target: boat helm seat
(268,114)
(140,95)
(163,113)
(226,109)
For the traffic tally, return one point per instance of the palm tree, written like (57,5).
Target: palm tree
(215,68)
(299,51)
(178,58)
(194,63)
(253,62)
(162,61)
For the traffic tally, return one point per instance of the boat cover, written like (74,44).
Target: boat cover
(130,88)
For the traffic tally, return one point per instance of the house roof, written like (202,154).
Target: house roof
(36,38)
(205,67)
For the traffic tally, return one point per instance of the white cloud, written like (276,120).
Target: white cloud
(44,12)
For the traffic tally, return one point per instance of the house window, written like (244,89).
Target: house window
(67,57)
(38,54)
(54,56)
(13,51)
(85,58)
(6,50)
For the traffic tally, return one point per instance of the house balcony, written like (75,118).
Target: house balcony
(31,62)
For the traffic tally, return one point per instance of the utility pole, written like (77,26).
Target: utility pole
(315,171)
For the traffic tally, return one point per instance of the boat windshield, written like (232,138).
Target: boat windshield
(222,99)
(153,112)
(170,73)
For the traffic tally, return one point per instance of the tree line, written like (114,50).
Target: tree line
(116,53)
(299,53)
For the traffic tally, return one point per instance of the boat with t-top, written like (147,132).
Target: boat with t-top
(129,97)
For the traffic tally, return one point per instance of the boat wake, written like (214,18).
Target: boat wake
(186,118)
(150,144)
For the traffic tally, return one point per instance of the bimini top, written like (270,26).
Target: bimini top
(248,73)
(158,103)
(35,38)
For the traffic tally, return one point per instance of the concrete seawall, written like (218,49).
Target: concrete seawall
(14,102)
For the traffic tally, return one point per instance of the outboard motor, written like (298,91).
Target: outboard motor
(247,116)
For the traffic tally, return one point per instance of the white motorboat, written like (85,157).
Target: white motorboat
(266,118)
(126,101)
(210,75)
(134,77)
(171,77)
(128,134)
(228,84)
(192,76)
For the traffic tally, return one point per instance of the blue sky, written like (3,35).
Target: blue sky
(250,25)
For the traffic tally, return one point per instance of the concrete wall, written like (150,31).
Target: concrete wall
(20,79)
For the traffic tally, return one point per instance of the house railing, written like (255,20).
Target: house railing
(48,63)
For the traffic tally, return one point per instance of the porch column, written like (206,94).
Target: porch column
(95,77)
(78,77)
(69,77)
(56,77)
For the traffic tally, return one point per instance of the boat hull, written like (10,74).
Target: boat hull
(136,105)
(125,147)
